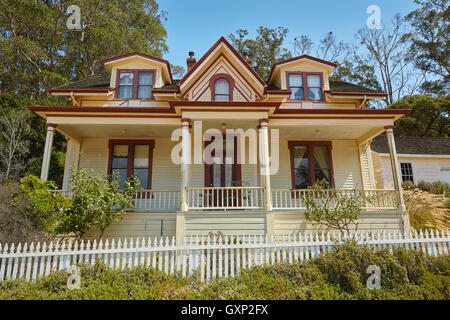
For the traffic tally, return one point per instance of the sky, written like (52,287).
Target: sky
(195,25)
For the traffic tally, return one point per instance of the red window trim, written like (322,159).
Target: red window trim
(305,85)
(237,169)
(218,76)
(135,82)
(131,144)
(309,144)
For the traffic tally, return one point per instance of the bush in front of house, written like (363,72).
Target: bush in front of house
(437,187)
(339,274)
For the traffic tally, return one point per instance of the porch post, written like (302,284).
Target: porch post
(47,151)
(265,163)
(394,165)
(185,163)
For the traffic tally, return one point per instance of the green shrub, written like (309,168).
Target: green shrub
(45,204)
(408,185)
(18,221)
(338,274)
(424,186)
(439,187)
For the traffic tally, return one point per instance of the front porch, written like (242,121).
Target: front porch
(191,197)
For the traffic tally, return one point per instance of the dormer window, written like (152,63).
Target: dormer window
(221,90)
(135,84)
(305,86)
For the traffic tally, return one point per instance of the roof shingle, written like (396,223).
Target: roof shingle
(413,145)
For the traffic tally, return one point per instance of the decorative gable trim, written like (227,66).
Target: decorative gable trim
(203,59)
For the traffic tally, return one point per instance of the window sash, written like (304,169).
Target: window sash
(305,92)
(140,86)
(318,166)
(138,159)
(407,171)
(221,90)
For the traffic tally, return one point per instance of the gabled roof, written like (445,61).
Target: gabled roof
(302,57)
(223,41)
(141,55)
(413,145)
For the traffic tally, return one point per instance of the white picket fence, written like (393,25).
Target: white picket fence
(207,257)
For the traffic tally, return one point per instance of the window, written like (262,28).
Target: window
(133,84)
(310,162)
(296,87)
(221,90)
(305,86)
(127,157)
(314,87)
(125,89)
(407,171)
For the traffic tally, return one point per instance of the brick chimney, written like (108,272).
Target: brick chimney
(191,61)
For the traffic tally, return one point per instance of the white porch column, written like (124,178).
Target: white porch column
(265,163)
(47,151)
(72,159)
(394,165)
(185,162)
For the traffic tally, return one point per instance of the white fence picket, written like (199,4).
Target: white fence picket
(210,258)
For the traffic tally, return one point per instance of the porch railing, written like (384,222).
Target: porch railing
(243,198)
(287,199)
(225,198)
(157,200)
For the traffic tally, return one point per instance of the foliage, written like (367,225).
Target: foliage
(97,202)
(265,50)
(332,208)
(436,187)
(29,159)
(340,274)
(429,42)
(429,117)
(45,204)
(13,147)
(39,56)
(18,221)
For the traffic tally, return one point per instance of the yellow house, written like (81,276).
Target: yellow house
(281,135)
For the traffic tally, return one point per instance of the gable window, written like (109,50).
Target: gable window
(221,90)
(305,86)
(135,84)
(127,157)
(296,86)
(407,171)
(310,162)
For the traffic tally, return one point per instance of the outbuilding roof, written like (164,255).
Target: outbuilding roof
(413,145)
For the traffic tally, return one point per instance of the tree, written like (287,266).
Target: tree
(429,117)
(13,147)
(387,52)
(97,202)
(333,208)
(429,42)
(35,136)
(40,52)
(265,50)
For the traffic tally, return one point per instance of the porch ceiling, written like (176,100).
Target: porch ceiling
(328,132)
(125,131)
